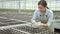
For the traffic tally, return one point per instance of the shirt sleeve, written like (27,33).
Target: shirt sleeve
(50,19)
(35,15)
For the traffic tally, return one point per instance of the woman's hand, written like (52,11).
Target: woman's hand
(39,23)
(33,21)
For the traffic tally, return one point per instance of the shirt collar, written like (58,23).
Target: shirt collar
(45,13)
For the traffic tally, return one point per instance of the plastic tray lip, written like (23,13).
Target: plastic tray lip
(12,26)
(8,24)
(12,19)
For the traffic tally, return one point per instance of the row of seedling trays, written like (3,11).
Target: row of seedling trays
(21,29)
(12,26)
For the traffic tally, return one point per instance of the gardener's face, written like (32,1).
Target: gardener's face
(41,8)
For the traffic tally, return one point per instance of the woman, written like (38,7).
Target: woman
(42,18)
(44,15)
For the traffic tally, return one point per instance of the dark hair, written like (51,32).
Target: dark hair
(43,3)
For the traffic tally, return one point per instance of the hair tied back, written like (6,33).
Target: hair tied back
(42,0)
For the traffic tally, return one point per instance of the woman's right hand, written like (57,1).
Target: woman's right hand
(33,21)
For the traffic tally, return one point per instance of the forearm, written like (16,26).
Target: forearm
(44,25)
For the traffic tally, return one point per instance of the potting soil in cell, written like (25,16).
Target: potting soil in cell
(33,30)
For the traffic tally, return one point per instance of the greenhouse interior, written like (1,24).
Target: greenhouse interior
(15,14)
